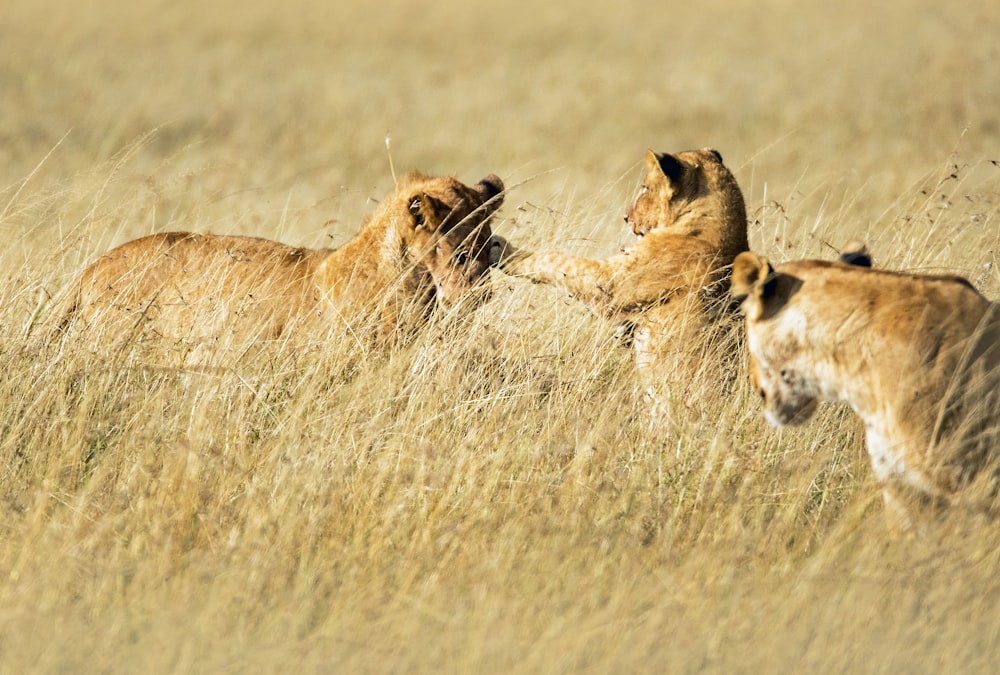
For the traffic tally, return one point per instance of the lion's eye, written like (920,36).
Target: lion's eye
(461,258)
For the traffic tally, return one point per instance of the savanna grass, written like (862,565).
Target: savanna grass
(491,496)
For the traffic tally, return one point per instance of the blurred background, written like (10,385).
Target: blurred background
(274,119)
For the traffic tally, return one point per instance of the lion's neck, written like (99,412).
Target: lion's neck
(376,259)
(717,226)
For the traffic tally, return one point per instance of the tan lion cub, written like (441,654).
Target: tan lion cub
(427,242)
(916,356)
(670,287)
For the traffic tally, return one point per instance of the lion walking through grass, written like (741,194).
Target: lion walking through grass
(916,356)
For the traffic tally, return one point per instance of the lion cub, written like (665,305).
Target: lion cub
(669,289)
(427,242)
(916,356)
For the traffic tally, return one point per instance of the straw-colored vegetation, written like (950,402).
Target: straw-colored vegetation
(491,496)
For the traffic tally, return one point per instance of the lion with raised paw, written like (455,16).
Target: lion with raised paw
(669,289)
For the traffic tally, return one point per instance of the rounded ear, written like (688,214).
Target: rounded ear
(856,252)
(423,208)
(715,153)
(664,163)
(490,187)
(747,270)
(752,282)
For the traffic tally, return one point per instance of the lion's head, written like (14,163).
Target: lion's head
(447,229)
(775,342)
(692,192)
(786,368)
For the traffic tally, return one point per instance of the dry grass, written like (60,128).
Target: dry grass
(491,497)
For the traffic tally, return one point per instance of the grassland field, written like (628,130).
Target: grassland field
(490,498)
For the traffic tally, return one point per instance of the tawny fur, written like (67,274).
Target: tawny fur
(669,288)
(427,242)
(916,356)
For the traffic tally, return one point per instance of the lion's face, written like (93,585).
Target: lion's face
(783,331)
(781,370)
(787,397)
(451,233)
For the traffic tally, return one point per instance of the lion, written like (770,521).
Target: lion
(427,243)
(668,291)
(916,356)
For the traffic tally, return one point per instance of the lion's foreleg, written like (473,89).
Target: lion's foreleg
(589,281)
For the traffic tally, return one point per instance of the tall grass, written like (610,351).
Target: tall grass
(490,497)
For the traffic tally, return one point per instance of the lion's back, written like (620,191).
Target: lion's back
(182,284)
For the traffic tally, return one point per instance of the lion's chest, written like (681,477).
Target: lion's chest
(887,454)
(895,459)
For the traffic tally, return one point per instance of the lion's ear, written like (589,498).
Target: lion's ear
(752,283)
(856,252)
(667,164)
(424,210)
(748,269)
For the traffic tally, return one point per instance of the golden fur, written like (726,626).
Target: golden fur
(916,356)
(669,288)
(426,242)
